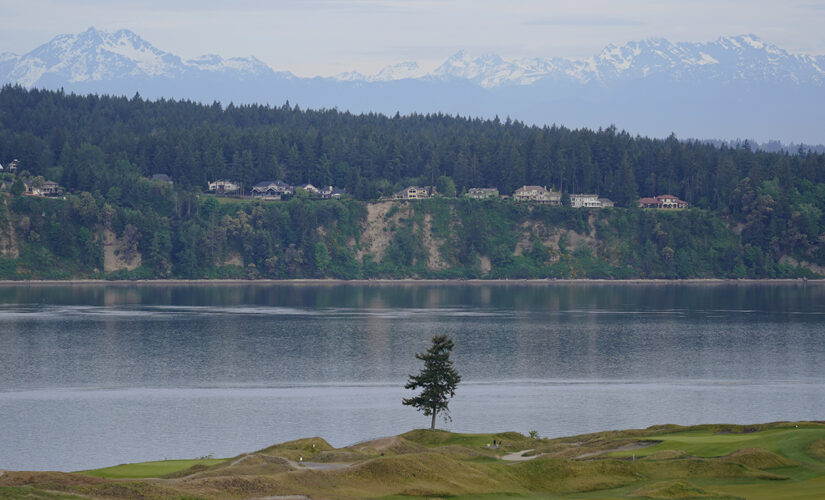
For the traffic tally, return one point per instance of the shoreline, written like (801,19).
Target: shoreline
(412,281)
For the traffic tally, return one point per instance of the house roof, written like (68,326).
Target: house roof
(278,183)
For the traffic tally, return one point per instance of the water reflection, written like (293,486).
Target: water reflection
(183,367)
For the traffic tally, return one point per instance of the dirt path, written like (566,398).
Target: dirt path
(319,465)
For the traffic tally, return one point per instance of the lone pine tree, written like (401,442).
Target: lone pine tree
(437,380)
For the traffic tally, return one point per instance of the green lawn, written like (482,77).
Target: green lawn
(760,462)
(790,442)
(149,469)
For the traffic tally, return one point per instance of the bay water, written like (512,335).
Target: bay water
(100,374)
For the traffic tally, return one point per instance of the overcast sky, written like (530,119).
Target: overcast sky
(324,37)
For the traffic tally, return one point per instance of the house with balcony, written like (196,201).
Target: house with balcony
(224,187)
(415,193)
(271,190)
(664,201)
(482,193)
(537,194)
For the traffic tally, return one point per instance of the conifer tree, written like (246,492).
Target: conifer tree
(437,380)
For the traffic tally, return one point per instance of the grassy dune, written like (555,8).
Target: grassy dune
(780,460)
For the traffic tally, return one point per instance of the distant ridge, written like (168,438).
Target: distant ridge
(736,86)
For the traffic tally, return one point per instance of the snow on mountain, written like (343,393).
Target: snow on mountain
(744,57)
(96,55)
(93,55)
(246,66)
(400,71)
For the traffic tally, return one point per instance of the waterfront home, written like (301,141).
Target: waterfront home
(47,189)
(482,193)
(585,201)
(415,193)
(537,194)
(331,192)
(665,201)
(309,188)
(223,186)
(271,190)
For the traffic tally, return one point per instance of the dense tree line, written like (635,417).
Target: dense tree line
(758,207)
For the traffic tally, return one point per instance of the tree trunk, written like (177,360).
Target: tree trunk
(432,426)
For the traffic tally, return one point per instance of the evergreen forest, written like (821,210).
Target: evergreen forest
(752,214)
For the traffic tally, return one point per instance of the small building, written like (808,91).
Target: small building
(12,166)
(537,194)
(161,178)
(664,201)
(223,186)
(271,190)
(606,203)
(482,193)
(415,193)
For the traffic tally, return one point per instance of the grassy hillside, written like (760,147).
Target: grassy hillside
(781,460)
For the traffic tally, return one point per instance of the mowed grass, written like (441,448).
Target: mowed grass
(150,469)
(768,461)
(790,442)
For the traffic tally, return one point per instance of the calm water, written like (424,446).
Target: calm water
(99,375)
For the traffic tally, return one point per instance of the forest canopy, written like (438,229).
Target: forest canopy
(103,149)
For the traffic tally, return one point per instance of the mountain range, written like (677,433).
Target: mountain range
(738,86)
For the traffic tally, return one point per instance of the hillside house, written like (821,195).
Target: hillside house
(607,203)
(223,186)
(415,193)
(482,193)
(48,189)
(585,201)
(309,188)
(665,201)
(537,194)
(271,190)
(333,193)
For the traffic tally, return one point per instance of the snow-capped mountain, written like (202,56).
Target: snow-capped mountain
(739,86)
(400,71)
(744,57)
(95,56)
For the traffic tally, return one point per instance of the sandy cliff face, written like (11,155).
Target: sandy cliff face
(8,239)
(115,256)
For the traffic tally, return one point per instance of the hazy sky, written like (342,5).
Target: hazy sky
(312,37)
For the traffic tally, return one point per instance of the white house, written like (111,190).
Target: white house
(585,201)
(224,186)
(271,190)
(537,194)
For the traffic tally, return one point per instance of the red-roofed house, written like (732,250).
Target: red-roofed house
(666,201)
